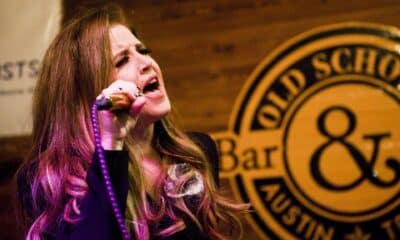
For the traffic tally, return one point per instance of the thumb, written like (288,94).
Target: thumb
(137,105)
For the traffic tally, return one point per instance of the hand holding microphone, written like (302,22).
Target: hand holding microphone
(118,96)
(119,106)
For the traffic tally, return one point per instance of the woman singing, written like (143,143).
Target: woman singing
(164,180)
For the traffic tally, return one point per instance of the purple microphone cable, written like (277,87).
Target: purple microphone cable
(106,176)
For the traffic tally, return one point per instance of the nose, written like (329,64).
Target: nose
(145,64)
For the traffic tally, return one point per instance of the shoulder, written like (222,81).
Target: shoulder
(208,146)
(203,140)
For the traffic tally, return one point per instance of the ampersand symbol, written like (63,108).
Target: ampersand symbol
(365,166)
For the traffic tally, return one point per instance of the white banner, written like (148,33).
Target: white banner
(26,29)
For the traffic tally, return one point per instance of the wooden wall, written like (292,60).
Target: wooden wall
(207,49)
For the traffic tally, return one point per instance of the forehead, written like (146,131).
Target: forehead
(121,37)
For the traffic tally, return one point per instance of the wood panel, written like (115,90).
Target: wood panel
(207,49)
(216,44)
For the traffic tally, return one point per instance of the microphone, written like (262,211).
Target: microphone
(118,101)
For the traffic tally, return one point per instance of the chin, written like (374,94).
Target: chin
(152,114)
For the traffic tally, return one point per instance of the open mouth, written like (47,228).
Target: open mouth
(151,86)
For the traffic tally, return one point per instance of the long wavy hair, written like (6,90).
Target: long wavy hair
(75,68)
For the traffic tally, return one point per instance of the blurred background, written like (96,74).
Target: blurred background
(207,50)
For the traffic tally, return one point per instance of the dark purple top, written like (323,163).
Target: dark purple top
(97,218)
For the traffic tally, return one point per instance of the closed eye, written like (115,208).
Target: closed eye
(140,48)
(124,59)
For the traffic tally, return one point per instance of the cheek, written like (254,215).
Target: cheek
(126,74)
(157,68)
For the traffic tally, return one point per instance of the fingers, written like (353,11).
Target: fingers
(124,95)
(112,129)
(120,86)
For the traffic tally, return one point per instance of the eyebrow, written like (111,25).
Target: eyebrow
(125,48)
